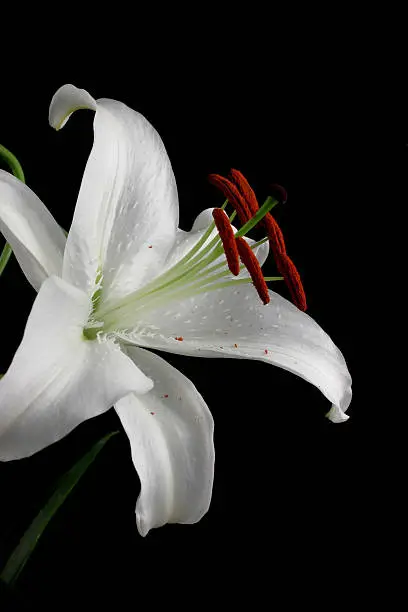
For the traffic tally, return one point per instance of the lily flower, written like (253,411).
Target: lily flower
(127,279)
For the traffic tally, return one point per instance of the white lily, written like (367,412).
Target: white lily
(125,280)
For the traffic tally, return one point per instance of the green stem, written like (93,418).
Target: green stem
(17,170)
(28,542)
(12,163)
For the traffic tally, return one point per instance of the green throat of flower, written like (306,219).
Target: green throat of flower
(195,273)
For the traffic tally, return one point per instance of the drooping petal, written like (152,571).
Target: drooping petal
(232,322)
(127,202)
(35,237)
(171,437)
(57,378)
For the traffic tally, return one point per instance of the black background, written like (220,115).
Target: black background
(294,493)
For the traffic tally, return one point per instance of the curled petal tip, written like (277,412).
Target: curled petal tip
(66,100)
(336,415)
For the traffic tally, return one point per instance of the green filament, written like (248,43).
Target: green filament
(192,275)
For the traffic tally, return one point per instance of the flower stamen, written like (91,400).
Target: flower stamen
(197,272)
(226,234)
(292,278)
(250,261)
(233,195)
(245,189)
(275,236)
(273,230)
(285,265)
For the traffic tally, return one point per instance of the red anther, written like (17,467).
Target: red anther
(226,233)
(245,189)
(252,264)
(266,351)
(167,395)
(150,246)
(274,232)
(276,240)
(233,196)
(242,197)
(284,264)
(180,338)
(153,413)
(292,279)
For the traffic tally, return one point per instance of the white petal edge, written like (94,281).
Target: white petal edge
(66,101)
(232,322)
(126,214)
(57,378)
(35,237)
(170,430)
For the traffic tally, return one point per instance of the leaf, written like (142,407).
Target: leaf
(28,542)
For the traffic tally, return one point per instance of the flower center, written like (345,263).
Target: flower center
(208,264)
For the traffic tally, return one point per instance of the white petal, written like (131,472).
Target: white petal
(58,378)
(127,202)
(211,324)
(35,237)
(171,436)
(67,100)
